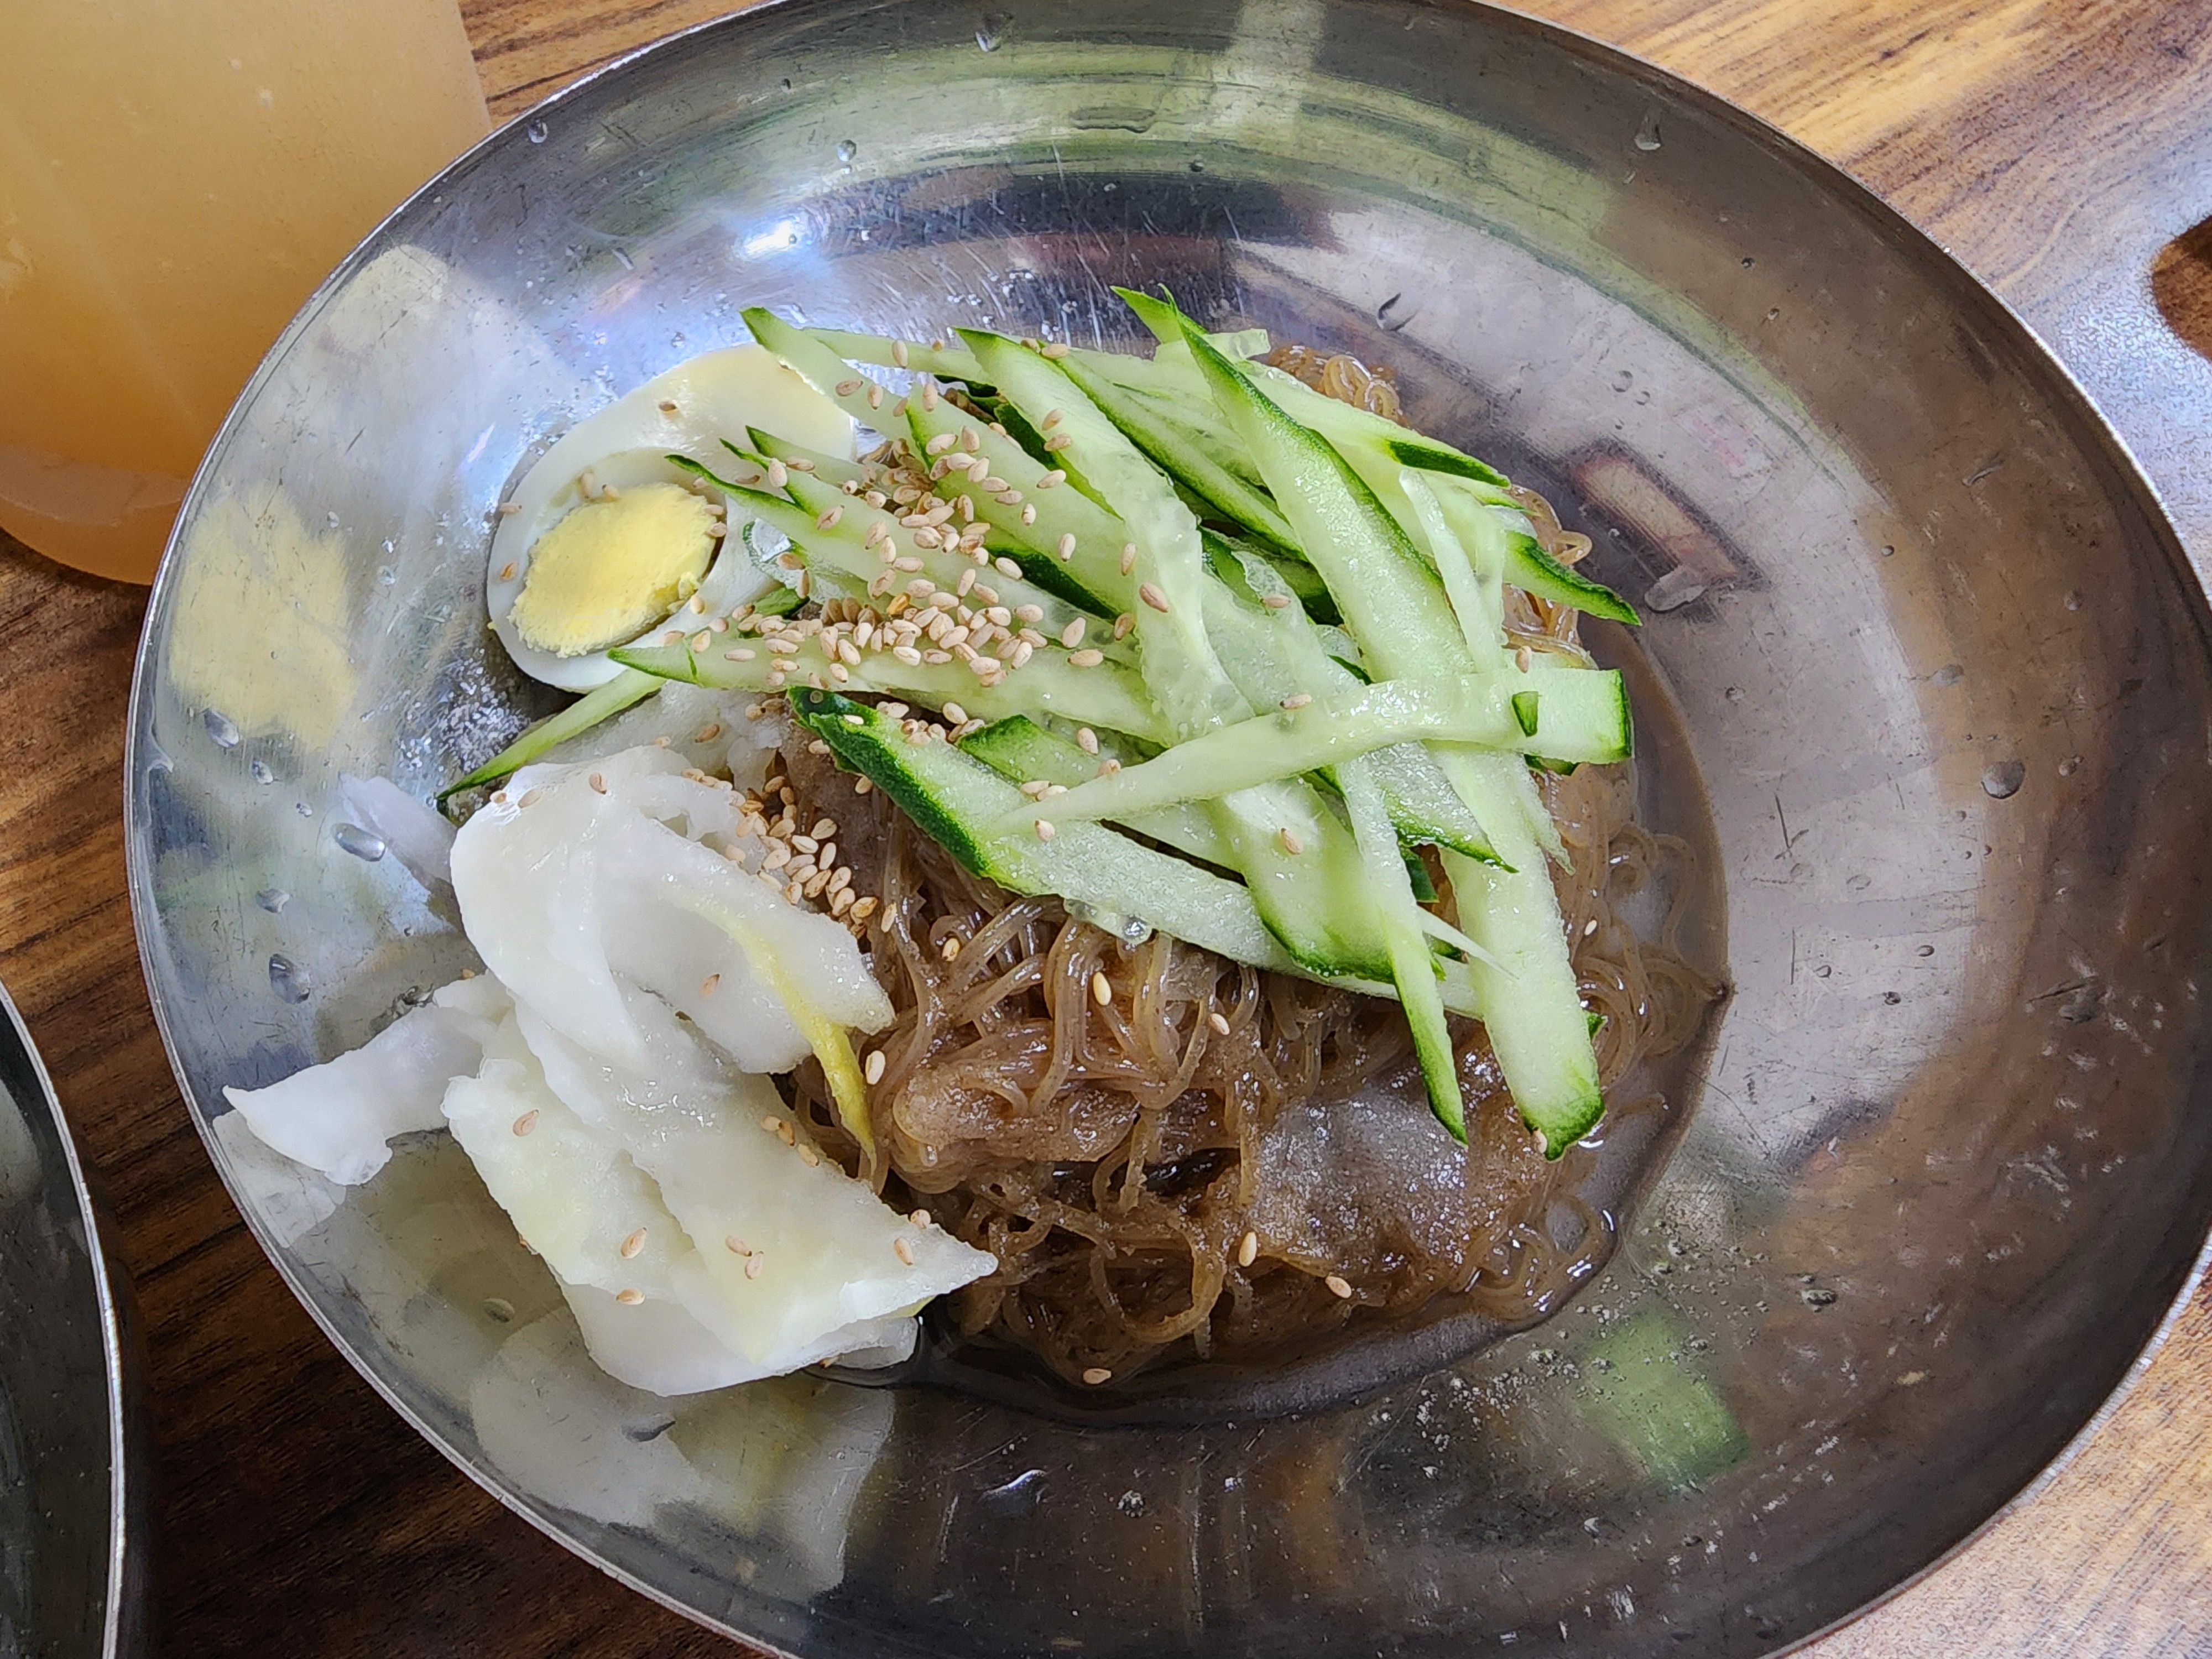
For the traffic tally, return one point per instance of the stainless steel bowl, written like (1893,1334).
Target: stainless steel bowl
(73,1475)
(1938,676)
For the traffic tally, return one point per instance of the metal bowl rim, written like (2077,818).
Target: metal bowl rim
(1931,256)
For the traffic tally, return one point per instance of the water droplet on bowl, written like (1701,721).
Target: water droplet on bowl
(1623,380)
(1131,1503)
(272,899)
(499,1309)
(1949,674)
(2073,599)
(1647,136)
(1858,883)
(303,808)
(364,844)
(2002,781)
(1733,694)
(534,132)
(222,728)
(992,32)
(288,979)
(261,772)
(846,149)
(385,575)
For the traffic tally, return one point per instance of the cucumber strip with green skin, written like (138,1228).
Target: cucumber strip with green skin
(1172,451)
(1305,895)
(1181,669)
(1105,698)
(823,369)
(1279,653)
(1233,558)
(1584,717)
(1411,449)
(955,800)
(1526,705)
(1412,968)
(1533,570)
(1019,749)
(1467,571)
(1526,994)
(945,567)
(1095,567)
(881,350)
(830,469)
(1404,620)
(601,702)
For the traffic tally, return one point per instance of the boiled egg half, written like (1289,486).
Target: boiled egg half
(603,537)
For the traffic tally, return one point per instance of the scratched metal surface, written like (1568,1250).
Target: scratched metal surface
(1938,668)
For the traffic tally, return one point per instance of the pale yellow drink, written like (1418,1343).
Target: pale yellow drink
(175,177)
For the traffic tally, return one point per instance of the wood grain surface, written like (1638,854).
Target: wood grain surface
(2063,151)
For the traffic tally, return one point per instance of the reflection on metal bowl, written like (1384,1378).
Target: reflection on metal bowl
(1937,682)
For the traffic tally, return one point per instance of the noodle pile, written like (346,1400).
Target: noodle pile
(1172,1155)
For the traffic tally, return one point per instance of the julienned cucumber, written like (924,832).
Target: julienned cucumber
(1572,714)
(1019,747)
(1399,610)
(601,702)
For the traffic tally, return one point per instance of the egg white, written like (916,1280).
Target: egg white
(716,395)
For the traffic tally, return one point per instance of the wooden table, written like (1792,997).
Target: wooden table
(2063,151)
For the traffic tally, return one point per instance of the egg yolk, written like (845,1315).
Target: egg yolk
(612,568)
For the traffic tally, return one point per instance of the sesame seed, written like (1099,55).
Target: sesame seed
(939,444)
(1086,739)
(1590,927)
(1006,566)
(1108,767)
(1298,702)
(1338,1287)
(898,352)
(1096,1373)
(1101,990)
(771,1122)
(950,950)
(1523,658)
(630,1297)
(507,571)
(735,1245)
(875,397)
(786,1134)
(508,509)
(970,440)
(873,1070)
(1051,480)
(1053,417)
(829,517)
(1218,1021)
(667,405)
(743,654)
(902,1247)
(598,783)
(1044,830)
(1291,844)
(1247,1249)
(846,388)
(1029,513)
(929,394)
(1072,635)
(1058,441)
(1129,557)
(1123,624)
(530,797)
(808,1156)
(633,1244)
(707,985)
(701,640)
(527,1122)
(1277,601)
(1066,547)
(1152,596)
(755,1264)
(778,475)
(1089,657)
(1057,349)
